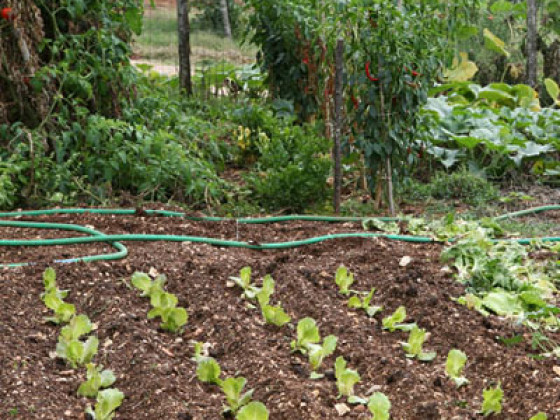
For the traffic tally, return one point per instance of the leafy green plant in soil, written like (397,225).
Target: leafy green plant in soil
(343,279)
(250,291)
(394,322)
(71,348)
(53,299)
(346,378)
(380,406)
(97,378)
(364,303)
(413,347)
(108,401)
(492,401)
(307,342)
(454,365)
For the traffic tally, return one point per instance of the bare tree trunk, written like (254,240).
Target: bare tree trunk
(225,17)
(531,43)
(338,115)
(184,46)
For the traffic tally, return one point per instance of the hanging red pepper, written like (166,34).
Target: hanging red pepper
(7,13)
(368,74)
(355,102)
(413,72)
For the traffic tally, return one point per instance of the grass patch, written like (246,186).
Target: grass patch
(158,42)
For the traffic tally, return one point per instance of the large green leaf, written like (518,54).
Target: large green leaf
(493,43)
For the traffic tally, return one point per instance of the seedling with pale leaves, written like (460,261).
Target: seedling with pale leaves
(97,378)
(71,348)
(108,401)
(253,411)
(250,291)
(413,347)
(317,353)
(49,282)
(393,322)
(208,371)
(492,400)
(165,306)
(275,315)
(233,390)
(343,279)
(143,282)
(456,360)
(63,311)
(357,303)
(380,406)
(345,378)
(307,333)
(265,292)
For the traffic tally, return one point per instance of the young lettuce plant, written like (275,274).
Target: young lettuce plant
(492,401)
(272,314)
(233,390)
(253,411)
(165,306)
(456,360)
(49,282)
(393,322)
(97,378)
(539,416)
(63,311)
(345,378)
(108,401)
(71,348)
(343,279)
(380,406)
(307,333)
(208,370)
(357,303)
(413,347)
(317,354)
(244,281)
(144,283)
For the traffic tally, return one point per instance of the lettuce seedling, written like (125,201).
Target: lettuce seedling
(275,315)
(345,378)
(253,411)
(380,406)
(233,389)
(244,281)
(413,347)
(539,416)
(317,353)
(78,326)
(267,289)
(49,281)
(343,279)
(357,303)
(96,379)
(456,360)
(108,401)
(307,333)
(148,287)
(492,400)
(77,352)
(165,306)
(208,371)
(393,322)
(63,311)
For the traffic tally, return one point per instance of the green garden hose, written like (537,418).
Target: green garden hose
(114,240)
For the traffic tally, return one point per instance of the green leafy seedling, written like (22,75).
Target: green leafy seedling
(77,352)
(267,289)
(343,279)
(244,281)
(108,401)
(63,311)
(345,378)
(275,315)
(307,333)
(413,347)
(539,416)
(253,411)
(380,406)
(233,390)
(96,380)
(357,303)
(165,306)
(208,371)
(393,322)
(317,353)
(454,365)
(78,326)
(492,400)
(49,282)
(143,282)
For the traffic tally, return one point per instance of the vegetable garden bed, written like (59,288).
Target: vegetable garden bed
(155,370)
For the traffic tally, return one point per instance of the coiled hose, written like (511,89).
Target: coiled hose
(122,252)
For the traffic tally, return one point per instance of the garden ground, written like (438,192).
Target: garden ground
(154,368)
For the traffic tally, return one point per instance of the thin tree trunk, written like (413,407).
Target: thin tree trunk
(388,168)
(338,115)
(531,43)
(184,46)
(225,17)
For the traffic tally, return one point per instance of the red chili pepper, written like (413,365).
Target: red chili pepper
(355,102)
(305,61)
(7,13)
(415,73)
(368,74)
(26,80)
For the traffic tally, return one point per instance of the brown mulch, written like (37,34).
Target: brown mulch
(155,370)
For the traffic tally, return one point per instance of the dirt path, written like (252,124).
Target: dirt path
(155,371)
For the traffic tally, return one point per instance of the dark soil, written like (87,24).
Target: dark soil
(155,370)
